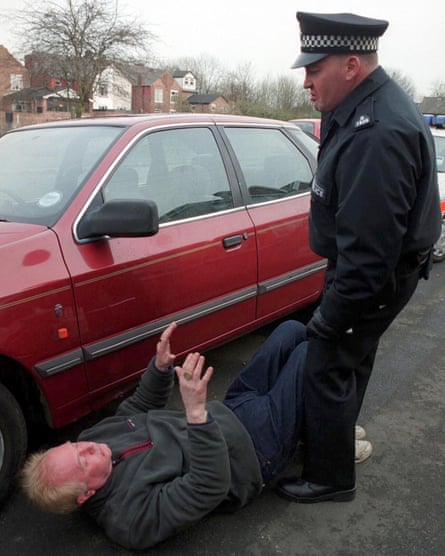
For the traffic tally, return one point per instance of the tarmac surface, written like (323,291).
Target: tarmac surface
(399,508)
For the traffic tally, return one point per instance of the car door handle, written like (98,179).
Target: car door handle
(232,241)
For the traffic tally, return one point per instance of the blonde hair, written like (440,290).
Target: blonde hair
(37,483)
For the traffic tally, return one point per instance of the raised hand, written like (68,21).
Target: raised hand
(164,356)
(193,385)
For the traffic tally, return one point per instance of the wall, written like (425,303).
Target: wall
(20,119)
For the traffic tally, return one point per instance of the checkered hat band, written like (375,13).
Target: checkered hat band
(318,43)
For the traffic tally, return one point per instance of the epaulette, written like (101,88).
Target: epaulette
(364,115)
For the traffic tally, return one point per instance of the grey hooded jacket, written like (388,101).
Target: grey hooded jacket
(168,474)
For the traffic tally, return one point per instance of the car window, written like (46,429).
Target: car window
(180,169)
(309,127)
(310,142)
(271,164)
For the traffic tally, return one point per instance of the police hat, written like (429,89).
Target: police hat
(325,34)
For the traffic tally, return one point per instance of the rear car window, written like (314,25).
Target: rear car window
(272,166)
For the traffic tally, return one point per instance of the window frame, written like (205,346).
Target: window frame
(158,95)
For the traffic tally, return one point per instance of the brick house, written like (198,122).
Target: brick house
(39,100)
(31,94)
(35,105)
(13,76)
(39,74)
(157,90)
(27,94)
(208,103)
(142,90)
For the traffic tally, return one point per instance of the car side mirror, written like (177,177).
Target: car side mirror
(120,218)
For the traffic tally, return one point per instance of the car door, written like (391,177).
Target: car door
(276,176)
(200,269)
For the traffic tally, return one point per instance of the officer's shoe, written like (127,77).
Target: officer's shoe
(304,492)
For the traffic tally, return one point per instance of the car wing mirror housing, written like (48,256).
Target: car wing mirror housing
(120,218)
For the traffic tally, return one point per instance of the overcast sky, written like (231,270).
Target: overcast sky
(239,31)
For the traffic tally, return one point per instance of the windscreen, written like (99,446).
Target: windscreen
(41,169)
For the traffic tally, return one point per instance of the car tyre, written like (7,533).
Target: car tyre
(13,441)
(439,246)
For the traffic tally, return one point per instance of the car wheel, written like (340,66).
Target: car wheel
(439,246)
(13,441)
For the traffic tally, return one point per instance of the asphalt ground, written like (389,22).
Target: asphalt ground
(400,503)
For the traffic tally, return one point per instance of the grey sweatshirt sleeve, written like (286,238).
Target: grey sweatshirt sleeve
(153,391)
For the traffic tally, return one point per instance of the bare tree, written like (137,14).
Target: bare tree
(239,85)
(404,81)
(438,89)
(287,93)
(285,98)
(303,107)
(76,40)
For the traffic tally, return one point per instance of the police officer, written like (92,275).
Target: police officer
(374,217)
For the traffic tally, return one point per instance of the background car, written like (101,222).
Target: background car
(309,125)
(439,139)
(110,228)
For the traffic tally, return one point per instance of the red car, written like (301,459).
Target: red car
(110,228)
(309,125)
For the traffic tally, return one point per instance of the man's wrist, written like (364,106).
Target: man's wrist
(161,368)
(197,417)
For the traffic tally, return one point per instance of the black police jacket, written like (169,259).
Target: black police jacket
(375,198)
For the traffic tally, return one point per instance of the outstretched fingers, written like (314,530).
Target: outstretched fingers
(164,356)
(193,384)
(192,369)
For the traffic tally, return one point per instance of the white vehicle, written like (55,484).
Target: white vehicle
(439,139)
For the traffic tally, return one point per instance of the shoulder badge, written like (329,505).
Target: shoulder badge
(362,120)
(364,115)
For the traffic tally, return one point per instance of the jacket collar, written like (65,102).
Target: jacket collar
(373,82)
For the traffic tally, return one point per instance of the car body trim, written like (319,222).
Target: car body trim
(290,277)
(94,351)
(143,332)
(202,216)
(296,194)
(120,341)
(59,364)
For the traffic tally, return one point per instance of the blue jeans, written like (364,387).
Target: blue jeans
(267,396)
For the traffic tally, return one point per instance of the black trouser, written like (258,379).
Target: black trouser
(336,377)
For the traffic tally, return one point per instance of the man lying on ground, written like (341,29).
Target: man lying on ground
(149,472)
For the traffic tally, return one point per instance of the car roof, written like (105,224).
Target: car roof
(153,120)
(315,120)
(438,132)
